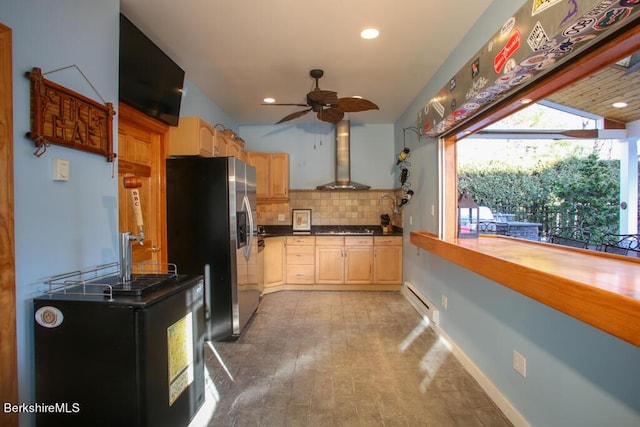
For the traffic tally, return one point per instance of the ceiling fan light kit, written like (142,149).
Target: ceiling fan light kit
(326,104)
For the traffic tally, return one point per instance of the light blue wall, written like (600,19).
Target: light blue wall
(59,226)
(196,103)
(311,151)
(65,226)
(576,374)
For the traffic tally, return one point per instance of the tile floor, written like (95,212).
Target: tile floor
(311,358)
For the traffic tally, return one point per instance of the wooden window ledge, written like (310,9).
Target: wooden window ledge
(597,288)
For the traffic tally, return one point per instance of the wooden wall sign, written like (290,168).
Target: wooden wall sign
(63,117)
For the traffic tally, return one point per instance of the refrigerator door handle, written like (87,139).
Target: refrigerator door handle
(207,292)
(247,207)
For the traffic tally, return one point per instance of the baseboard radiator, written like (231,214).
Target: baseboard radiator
(421,303)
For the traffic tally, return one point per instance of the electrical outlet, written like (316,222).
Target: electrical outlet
(445,301)
(520,363)
(410,219)
(281,217)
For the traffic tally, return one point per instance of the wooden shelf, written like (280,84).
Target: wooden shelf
(600,289)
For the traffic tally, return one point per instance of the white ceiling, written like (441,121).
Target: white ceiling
(241,51)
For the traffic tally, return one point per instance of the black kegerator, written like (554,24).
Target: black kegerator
(211,222)
(108,355)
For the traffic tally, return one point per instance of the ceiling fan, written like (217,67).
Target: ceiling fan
(327,105)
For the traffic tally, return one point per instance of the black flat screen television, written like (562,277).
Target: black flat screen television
(149,80)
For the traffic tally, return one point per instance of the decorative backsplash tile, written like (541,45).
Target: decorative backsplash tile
(335,207)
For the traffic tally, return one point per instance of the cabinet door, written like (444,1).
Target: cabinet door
(193,137)
(220,145)
(207,140)
(274,267)
(357,265)
(235,149)
(387,265)
(329,264)
(279,175)
(261,162)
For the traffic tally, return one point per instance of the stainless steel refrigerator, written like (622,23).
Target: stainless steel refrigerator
(211,222)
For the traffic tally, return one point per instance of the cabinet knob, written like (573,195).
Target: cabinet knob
(155,249)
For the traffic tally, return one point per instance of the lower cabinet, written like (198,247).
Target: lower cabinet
(333,260)
(344,260)
(358,260)
(330,260)
(387,260)
(300,259)
(274,261)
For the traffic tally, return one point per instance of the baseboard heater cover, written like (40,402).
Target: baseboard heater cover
(421,303)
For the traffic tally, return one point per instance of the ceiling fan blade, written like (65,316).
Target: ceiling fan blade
(293,116)
(331,115)
(296,105)
(353,105)
(324,97)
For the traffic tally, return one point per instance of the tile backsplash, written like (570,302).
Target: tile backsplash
(335,207)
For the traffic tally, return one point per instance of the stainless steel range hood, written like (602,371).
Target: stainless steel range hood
(343,161)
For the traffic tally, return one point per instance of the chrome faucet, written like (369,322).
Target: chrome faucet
(126,249)
(393,199)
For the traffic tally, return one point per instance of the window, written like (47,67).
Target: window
(608,52)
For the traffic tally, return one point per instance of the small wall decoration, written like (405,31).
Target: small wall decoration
(63,117)
(403,163)
(301,219)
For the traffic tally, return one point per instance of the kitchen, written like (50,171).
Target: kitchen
(56,223)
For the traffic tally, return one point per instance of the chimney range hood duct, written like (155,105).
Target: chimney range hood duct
(343,161)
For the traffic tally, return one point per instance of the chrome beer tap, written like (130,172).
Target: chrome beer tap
(126,238)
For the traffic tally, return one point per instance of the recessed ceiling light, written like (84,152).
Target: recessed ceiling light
(370,33)
(619,104)
(269,100)
(526,101)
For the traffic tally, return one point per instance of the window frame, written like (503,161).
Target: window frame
(610,50)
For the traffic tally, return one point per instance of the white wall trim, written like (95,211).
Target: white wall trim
(494,393)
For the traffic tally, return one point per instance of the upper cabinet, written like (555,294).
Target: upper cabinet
(235,148)
(193,137)
(272,175)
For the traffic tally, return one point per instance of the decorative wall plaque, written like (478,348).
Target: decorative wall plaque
(63,117)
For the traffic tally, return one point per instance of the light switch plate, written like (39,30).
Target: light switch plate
(60,170)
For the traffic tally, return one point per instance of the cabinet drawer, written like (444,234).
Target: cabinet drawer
(297,255)
(387,240)
(330,241)
(301,240)
(358,241)
(300,273)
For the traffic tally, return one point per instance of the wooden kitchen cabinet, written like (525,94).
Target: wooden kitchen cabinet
(193,137)
(330,260)
(235,148)
(272,175)
(300,259)
(221,145)
(274,261)
(358,260)
(387,260)
(344,260)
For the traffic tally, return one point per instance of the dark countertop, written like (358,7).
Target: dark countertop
(324,230)
(94,292)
